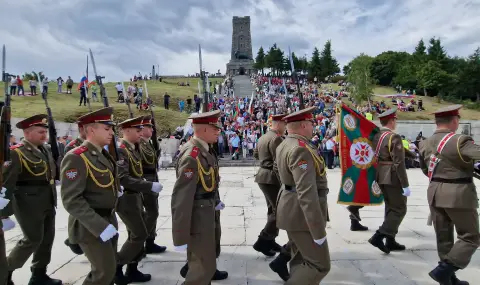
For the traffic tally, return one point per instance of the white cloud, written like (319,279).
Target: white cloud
(128,37)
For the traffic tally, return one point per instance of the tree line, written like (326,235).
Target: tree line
(428,70)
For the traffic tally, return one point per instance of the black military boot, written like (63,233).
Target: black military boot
(393,245)
(357,227)
(442,273)
(455,281)
(120,279)
(279,265)
(134,275)
(264,246)
(354,213)
(184,270)
(152,248)
(377,241)
(219,275)
(275,246)
(40,277)
(75,248)
(9,279)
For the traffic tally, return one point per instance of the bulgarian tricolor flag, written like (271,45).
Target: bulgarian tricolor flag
(357,159)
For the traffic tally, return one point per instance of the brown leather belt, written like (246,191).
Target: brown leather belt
(462,180)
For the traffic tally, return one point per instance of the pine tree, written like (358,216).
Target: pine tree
(260,60)
(328,63)
(315,66)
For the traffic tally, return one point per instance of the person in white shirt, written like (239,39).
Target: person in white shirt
(329,147)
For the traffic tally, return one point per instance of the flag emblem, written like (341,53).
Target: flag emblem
(348,186)
(303,165)
(361,153)
(349,122)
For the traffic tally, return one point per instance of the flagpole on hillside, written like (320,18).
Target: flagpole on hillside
(295,77)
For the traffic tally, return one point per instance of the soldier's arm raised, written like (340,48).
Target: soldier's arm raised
(131,183)
(182,199)
(397,152)
(300,162)
(11,170)
(467,149)
(74,177)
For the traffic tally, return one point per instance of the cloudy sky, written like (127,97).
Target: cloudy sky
(129,36)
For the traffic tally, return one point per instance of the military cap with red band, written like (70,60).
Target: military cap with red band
(102,116)
(208,118)
(132,123)
(449,111)
(388,114)
(40,120)
(278,117)
(302,115)
(147,121)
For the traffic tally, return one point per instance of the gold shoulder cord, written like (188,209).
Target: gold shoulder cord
(24,159)
(202,172)
(318,161)
(133,163)
(144,151)
(90,166)
(458,151)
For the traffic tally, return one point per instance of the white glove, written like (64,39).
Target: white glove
(2,192)
(120,193)
(406,192)
(8,224)
(477,165)
(108,233)
(156,187)
(181,248)
(320,241)
(3,203)
(220,206)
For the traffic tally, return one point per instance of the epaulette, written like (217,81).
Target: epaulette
(194,152)
(16,146)
(72,143)
(302,143)
(79,150)
(123,145)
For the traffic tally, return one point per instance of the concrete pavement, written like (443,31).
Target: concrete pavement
(354,260)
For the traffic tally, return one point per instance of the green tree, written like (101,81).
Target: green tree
(360,78)
(432,78)
(315,66)
(328,63)
(386,66)
(260,60)
(437,53)
(275,60)
(420,54)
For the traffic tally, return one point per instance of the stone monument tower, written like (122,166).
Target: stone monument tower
(241,61)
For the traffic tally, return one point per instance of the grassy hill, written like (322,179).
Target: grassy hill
(65,106)
(429,103)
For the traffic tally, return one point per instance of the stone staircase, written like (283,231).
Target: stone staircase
(228,162)
(243,87)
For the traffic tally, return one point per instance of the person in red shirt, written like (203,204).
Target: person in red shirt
(20,86)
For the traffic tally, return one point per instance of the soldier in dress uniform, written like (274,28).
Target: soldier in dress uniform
(75,248)
(302,202)
(150,200)
(392,180)
(89,191)
(130,206)
(193,212)
(448,161)
(29,178)
(270,185)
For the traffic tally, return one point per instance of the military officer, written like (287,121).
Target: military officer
(73,144)
(270,186)
(302,202)
(29,178)
(89,191)
(193,212)
(150,200)
(448,161)
(393,181)
(129,207)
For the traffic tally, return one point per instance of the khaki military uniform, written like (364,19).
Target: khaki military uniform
(302,209)
(29,180)
(267,180)
(130,205)
(89,194)
(193,212)
(73,144)
(392,177)
(452,196)
(150,200)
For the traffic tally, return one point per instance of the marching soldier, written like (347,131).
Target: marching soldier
(268,182)
(302,204)
(150,200)
(355,218)
(392,180)
(448,161)
(75,248)
(29,178)
(129,209)
(193,212)
(89,192)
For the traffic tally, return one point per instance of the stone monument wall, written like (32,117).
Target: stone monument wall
(241,58)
